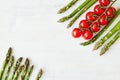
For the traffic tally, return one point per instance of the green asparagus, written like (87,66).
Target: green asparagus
(81,12)
(29,72)
(9,68)
(25,68)
(107,36)
(17,64)
(102,31)
(65,8)
(108,45)
(5,63)
(39,74)
(17,73)
(74,12)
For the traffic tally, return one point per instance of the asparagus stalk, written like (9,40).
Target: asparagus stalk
(17,64)
(81,12)
(39,74)
(65,8)
(9,67)
(25,68)
(107,36)
(17,73)
(109,44)
(29,72)
(5,63)
(74,12)
(102,31)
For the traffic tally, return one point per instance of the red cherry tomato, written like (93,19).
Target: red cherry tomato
(104,2)
(76,33)
(111,12)
(95,27)
(103,20)
(91,16)
(84,24)
(87,34)
(99,9)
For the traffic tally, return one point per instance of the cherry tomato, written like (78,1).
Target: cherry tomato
(99,10)
(103,20)
(111,12)
(95,27)
(76,33)
(91,16)
(104,2)
(87,34)
(84,24)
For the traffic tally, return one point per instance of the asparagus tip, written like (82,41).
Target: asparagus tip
(32,66)
(59,21)
(101,53)
(41,71)
(39,74)
(9,50)
(103,50)
(84,44)
(63,19)
(96,46)
(81,44)
(59,12)
(27,61)
(10,47)
(12,58)
(20,58)
(69,25)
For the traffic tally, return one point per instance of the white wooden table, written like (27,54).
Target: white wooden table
(31,28)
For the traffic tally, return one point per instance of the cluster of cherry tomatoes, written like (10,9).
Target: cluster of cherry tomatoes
(94,20)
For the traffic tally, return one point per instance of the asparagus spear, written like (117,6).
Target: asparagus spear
(65,8)
(102,31)
(29,72)
(107,36)
(109,44)
(5,63)
(17,64)
(39,74)
(9,67)
(25,68)
(81,12)
(17,73)
(74,12)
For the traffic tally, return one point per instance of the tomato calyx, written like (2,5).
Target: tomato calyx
(91,16)
(104,2)
(95,27)
(98,9)
(87,34)
(111,11)
(84,24)
(76,33)
(103,20)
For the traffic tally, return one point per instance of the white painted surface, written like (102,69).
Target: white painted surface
(31,28)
